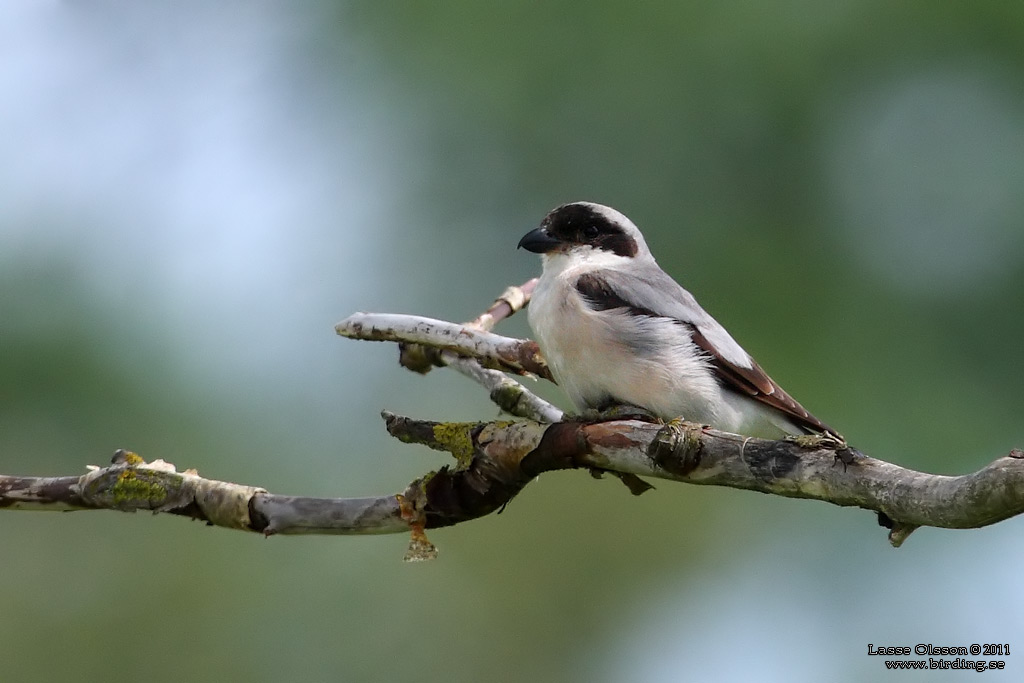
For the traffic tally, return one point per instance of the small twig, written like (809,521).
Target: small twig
(422,359)
(429,343)
(510,395)
(494,351)
(511,301)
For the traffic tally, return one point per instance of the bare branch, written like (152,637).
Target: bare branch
(804,467)
(494,351)
(511,300)
(510,395)
(494,461)
(131,484)
(470,348)
(509,455)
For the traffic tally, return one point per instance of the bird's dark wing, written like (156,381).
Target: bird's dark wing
(653,293)
(755,382)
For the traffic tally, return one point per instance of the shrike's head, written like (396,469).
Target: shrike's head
(586,231)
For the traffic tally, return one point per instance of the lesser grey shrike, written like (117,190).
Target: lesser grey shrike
(617,330)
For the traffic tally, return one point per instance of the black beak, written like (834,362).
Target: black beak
(539,242)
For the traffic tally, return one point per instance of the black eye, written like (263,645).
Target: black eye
(590,232)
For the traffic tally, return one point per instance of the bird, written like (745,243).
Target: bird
(617,330)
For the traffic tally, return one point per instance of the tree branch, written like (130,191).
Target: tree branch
(510,395)
(509,455)
(438,350)
(804,467)
(130,484)
(494,461)
(518,356)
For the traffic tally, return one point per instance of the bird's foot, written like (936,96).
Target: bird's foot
(677,446)
(815,441)
(827,441)
(618,412)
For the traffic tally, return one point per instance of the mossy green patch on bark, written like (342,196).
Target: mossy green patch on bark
(133,490)
(457,439)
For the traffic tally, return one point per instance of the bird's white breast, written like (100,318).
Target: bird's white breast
(597,356)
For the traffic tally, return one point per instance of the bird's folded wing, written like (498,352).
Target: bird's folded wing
(656,294)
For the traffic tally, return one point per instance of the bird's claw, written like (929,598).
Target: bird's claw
(827,441)
(618,412)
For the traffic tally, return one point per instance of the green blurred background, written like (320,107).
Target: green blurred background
(192,194)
